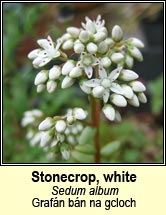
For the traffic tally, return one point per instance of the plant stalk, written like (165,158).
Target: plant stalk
(95,117)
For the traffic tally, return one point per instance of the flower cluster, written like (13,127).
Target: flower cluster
(100,64)
(59,132)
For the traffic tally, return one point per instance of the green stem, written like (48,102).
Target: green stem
(95,117)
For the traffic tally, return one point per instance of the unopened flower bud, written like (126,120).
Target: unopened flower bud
(65,151)
(54,72)
(129,61)
(142,98)
(109,112)
(73,31)
(46,124)
(102,47)
(135,52)
(118,100)
(134,101)
(40,88)
(98,91)
(91,48)
(45,138)
(67,82)
(118,117)
(109,41)
(78,47)
(137,86)
(67,67)
(127,91)
(36,139)
(136,42)
(84,36)
(117,33)
(128,75)
(106,62)
(60,126)
(79,113)
(75,72)
(65,37)
(70,119)
(51,86)
(99,36)
(117,57)
(41,77)
(68,44)
(37,113)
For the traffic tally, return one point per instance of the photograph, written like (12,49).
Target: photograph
(83,83)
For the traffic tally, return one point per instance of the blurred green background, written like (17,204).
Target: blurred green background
(139,137)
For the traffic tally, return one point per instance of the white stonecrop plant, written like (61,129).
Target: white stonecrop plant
(102,67)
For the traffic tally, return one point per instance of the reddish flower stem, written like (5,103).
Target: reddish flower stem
(95,117)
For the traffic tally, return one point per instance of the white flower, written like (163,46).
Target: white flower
(41,77)
(87,62)
(65,151)
(60,126)
(129,61)
(118,117)
(91,48)
(68,44)
(128,75)
(118,100)
(134,101)
(117,57)
(84,36)
(137,86)
(40,88)
(79,114)
(85,88)
(67,82)
(107,82)
(102,47)
(79,47)
(73,31)
(98,91)
(75,72)
(45,138)
(127,91)
(54,73)
(51,86)
(42,56)
(106,62)
(94,26)
(142,98)
(117,33)
(36,139)
(46,124)
(135,52)
(136,42)
(99,36)
(67,67)
(109,112)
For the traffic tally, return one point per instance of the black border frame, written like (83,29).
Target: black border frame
(80,164)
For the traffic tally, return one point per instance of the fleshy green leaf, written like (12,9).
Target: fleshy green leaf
(87,135)
(82,157)
(110,148)
(85,148)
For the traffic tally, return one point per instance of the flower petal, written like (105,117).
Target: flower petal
(114,74)
(93,83)
(116,88)
(88,71)
(106,95)
(44,61)
(102,73)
